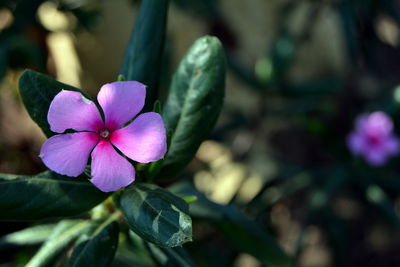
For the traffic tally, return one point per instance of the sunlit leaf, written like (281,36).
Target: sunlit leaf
(28,236)
(63,234)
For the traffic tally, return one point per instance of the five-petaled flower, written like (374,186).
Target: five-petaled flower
(143,140)
(373,138)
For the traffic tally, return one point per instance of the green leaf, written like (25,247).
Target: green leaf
(132,252)
(121,78)
(189,199)
(46,195)
(99,250)
(28,236)
(142,57)
(238,229)
(37,91)
(377,197)
(64,233)
(157,106)
(171,257)
(156,215)
(194,102)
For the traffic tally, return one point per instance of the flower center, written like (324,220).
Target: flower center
(374,140)
(104,134)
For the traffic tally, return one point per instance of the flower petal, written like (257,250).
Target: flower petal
(356,143)
(121,101)
(144,140)
(392,145)
(379,124)
(68,154)
(110,171)
(71,110)
(376,157)
(361,122)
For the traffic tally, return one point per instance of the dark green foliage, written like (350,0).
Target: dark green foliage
(194,103)
(37,91)
(171,257)
(240,230)
(142,61)
(46,195)
(156,215)
(99,250)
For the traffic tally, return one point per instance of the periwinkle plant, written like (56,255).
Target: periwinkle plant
(373,138)
(152,214)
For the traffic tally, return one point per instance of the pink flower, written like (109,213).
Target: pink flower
(373,138)
(143,140)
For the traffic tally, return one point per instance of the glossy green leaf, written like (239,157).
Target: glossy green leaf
(156,215)
(238,229)
(63,234)
(194,102)
(46,195)
(142,61)
(99,250)
(28,236)
(37,91)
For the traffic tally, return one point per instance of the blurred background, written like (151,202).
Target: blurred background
(299,73)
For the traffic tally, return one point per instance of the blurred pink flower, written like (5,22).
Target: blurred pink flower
(143,140)
(373,138)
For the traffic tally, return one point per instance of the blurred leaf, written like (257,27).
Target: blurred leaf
(338,233)
(378,198)
(238,229)
(3,61)
(23,51)
(157,107)
(171,257)
(244,74)
(375,195)
(99,250)
(282,56)
(28,236)
(145,49)
(37,91)
(157,215)
(349,25)
(273,194)
(46,195)
(190,199)
(65,232)
(318,208)
(133,251)
(320,86)
(205,9)
(194,102)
